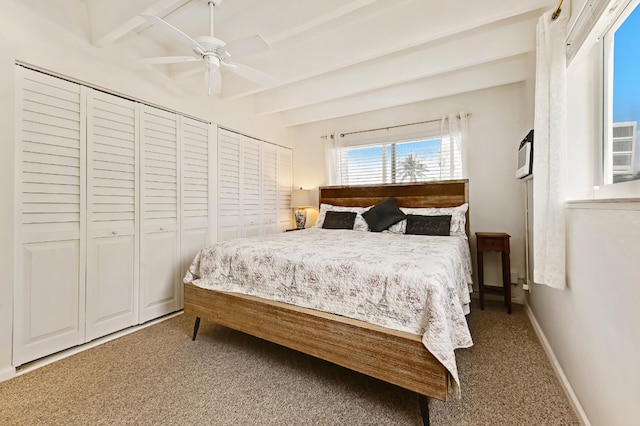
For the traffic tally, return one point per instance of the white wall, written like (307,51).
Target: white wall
(593,326)
(54,36)
(500,119)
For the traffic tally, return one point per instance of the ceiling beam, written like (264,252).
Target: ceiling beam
(475,47)
(384,28)
(507,71)
(112,19)
(279,20)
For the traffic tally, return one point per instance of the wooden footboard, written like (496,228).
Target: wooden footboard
(392,356)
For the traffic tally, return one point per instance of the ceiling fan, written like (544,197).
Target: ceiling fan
(213,53)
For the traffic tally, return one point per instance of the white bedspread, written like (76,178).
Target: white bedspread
(414,283)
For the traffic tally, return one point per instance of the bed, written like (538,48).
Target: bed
(390,351)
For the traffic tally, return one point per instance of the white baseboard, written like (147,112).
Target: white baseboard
(564,382)
(7,373)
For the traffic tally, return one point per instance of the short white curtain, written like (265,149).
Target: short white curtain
(453,141)
(550,153)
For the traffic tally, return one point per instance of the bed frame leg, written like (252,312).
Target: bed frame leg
(424,409)
(196,326)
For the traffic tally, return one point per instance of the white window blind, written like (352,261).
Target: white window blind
(395,162)
(398,162)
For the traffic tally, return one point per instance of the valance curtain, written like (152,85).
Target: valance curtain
(550,153)
(453,137)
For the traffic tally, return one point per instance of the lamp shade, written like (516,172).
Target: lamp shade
(301,198)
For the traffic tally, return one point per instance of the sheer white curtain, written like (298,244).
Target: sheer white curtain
(453,136)
(550,153)
(332,154)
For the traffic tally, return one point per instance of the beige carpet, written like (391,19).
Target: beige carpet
(158,376)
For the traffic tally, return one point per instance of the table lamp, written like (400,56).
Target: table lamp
(300,200)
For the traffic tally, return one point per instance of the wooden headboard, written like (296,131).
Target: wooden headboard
(446,193)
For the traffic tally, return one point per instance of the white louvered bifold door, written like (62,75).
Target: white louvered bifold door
(250,187)
(229,207)
(196,189)
(160,282)
(285,170)
(112,240)
(269,188)
(50,205)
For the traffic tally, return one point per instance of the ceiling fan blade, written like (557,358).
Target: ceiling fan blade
(174,32)
(246,46)
(252,74)
(169,60)
(187,73)
(213,80)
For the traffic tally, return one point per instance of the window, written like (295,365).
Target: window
(395,162)
(621,151)
(403,153)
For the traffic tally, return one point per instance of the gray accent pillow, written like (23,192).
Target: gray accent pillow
(383,215)
(428,225)
(339,220)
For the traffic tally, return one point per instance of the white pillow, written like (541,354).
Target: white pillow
(458,218)
(359,225)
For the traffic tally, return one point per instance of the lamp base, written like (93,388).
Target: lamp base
(300,216)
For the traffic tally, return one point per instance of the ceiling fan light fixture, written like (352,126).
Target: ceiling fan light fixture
(212,79)
(211,60)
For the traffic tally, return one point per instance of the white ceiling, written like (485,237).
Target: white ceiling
(340,57)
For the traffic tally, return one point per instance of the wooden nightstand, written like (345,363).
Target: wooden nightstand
(494,241)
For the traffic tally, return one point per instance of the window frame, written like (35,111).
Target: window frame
(385,144)
(604,184)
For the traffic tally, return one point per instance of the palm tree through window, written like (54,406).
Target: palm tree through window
(395,162)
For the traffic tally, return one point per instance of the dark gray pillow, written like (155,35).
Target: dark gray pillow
(428,225)
(383,215)
(339,220)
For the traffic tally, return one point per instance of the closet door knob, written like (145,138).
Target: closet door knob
(114,232)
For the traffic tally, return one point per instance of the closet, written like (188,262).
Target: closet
(113,201)
(254,186)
